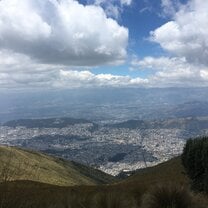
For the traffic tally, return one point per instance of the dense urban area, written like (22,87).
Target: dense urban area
(112,148)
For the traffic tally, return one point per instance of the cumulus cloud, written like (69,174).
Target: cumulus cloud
(162,63)
(88,79)
(20,71)
(42,43)
(172,71)
(61,32)
(64,79)
(186,35)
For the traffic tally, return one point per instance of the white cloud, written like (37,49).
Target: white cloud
(41,42)
(113,8)
(88,79)
(185,40)
(172,72)
(61,32)
(204,74)
(67,79)
(186,35)
(118,2)
(20,71)
(162,63)
(11,62)
(112,11)
(126,2)
(170,7)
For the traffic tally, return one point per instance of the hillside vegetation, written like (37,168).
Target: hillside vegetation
(71,185)
(20,164)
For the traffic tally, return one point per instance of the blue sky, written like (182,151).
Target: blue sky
(102,43)
(140,18)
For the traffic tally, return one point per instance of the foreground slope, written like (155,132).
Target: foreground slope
(127,193)
(171,171)
(20,164)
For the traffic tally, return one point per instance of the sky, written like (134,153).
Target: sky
(66,44)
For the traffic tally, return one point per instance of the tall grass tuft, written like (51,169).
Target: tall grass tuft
(169,196)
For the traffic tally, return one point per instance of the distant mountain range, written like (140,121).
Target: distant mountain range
(105,104)
(187,123)
(45,123)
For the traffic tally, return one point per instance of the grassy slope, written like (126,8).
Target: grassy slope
(170,171)
(29,165)
(34,194)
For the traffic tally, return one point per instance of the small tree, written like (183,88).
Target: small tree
(195,161)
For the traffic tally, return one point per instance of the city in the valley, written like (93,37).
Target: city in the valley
(113,148)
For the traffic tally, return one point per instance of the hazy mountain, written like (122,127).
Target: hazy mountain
(104,104)
(45,123)
(187,124)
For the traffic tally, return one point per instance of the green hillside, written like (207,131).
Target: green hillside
(20,164)
(170,171)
